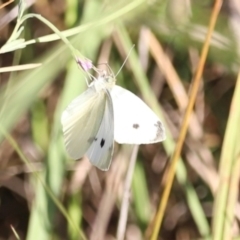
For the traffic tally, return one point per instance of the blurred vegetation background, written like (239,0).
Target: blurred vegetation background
(46,195)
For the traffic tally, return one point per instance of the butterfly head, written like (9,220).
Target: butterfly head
(107,79)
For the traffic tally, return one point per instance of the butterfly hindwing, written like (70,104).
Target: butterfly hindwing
(101,150)
(81,122)
(134,121)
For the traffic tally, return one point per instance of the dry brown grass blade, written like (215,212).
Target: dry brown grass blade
(5,4)
(193,94)
(181,98)
(174,83)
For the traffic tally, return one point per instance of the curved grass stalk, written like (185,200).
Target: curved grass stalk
(45,186)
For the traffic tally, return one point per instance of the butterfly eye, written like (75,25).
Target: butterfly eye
(107,77)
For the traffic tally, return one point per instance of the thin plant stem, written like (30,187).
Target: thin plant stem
(126,195)
(50,25)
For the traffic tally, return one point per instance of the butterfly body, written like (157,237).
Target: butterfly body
(105,112)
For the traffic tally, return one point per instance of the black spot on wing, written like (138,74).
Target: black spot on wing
(102,143)
(136,126)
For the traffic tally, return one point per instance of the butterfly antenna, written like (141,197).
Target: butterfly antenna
(125,61)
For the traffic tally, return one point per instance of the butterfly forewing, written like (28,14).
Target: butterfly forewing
(101,150)
(134,121)
(81,121)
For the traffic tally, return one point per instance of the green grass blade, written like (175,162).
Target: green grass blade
(227,193)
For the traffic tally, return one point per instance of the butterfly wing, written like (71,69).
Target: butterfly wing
(134,121)
(101,151)
(81,121)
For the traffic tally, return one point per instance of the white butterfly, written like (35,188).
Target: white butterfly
(103,113)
